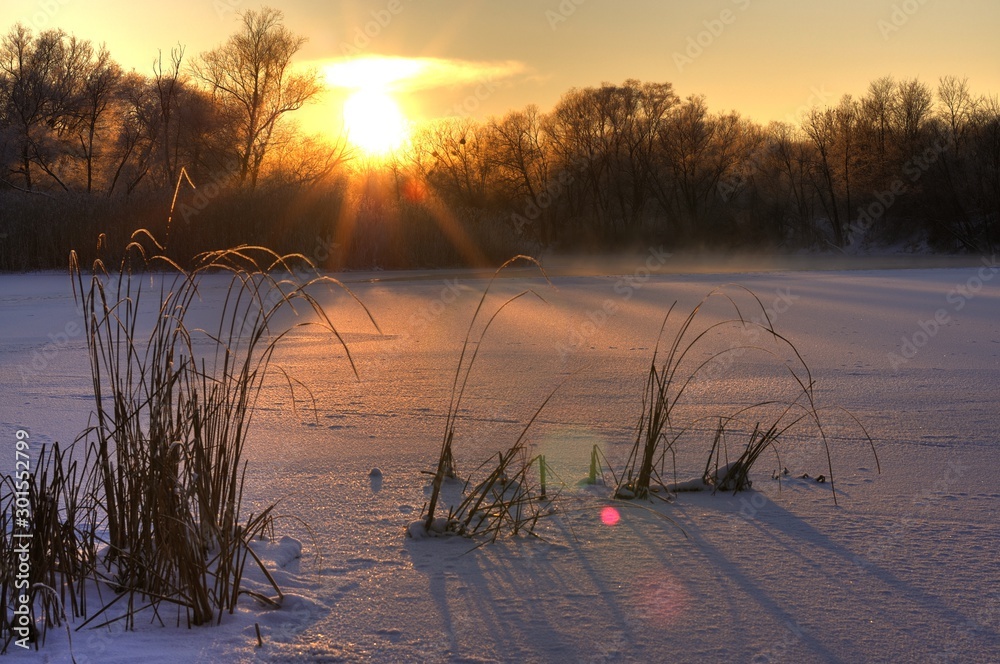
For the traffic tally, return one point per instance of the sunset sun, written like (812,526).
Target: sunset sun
(374,122)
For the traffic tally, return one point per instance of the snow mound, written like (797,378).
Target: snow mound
(694,484)
(723,478)
(279,554)
(417,530)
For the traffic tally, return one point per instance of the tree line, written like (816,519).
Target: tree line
(87,148)
(635,161)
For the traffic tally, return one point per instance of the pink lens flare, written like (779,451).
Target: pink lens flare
(660,597)
(610,516)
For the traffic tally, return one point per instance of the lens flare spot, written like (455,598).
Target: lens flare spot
(660,598)
(414,190)
(610,516)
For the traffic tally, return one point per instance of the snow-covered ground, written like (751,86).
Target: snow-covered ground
(904,569)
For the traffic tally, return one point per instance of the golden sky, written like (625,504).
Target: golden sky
(769,59)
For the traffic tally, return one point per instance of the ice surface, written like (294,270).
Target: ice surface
(903,569)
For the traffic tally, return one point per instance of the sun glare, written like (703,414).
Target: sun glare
(373,119)
(374,122)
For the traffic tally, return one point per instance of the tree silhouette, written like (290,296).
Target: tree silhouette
(251,75)
(40,97)
(607,166)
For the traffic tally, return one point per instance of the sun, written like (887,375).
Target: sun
(374,122)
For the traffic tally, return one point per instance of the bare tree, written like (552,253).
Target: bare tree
(790,157)
(607,137)
(305,161)
(821,128)
(970,166)
(521,152)
(847,129)
(878,108)
(643,109)
(454,153)
(133,144)
(913,110)
(251,74)
(39,95)
(521,155)
(699,150)
(163,125)
(575,129)
(958,107)
(99,89)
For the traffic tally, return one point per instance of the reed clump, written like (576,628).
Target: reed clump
(148,502)
(693,355)
(507,496)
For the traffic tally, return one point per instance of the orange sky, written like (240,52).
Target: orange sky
(767,58)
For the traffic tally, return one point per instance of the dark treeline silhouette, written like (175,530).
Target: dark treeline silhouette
(89,150)
(633,162)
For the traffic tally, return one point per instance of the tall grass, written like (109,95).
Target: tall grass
(509,497)
(171,423)
(61,550)
(148,502)
(688,358)
(494,500)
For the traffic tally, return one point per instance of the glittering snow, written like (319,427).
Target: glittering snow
(903,569)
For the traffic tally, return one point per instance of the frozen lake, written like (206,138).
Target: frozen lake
(903,569)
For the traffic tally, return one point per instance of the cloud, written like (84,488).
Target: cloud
(413,74)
